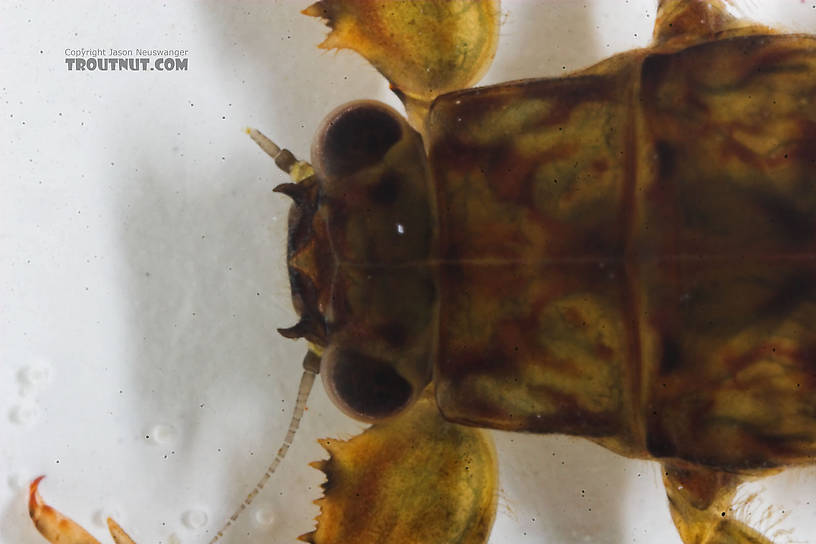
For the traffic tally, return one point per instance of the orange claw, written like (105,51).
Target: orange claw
(118,534)
(57,528)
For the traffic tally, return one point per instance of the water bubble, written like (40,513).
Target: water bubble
(16,482)
(194,519)
(264,515)
(24,414)
(35,375)
(100,517)
(161,433)
(26,389)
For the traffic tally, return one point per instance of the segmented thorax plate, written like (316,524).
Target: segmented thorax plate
(628,253)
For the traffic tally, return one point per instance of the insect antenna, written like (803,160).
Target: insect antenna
(284,159)
(311,367)
(298,171)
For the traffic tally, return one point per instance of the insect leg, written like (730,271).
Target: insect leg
(686,22)
(411,478)
(424,48)
(700,500)
(59,529)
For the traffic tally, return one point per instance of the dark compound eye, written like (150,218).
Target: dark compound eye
(363,387)
(353,137)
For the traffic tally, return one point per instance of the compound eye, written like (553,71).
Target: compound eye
(363,387)
(353,137)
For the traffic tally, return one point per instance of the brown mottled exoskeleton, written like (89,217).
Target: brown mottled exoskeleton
(626,254)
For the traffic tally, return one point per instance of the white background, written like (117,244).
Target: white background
(142,275)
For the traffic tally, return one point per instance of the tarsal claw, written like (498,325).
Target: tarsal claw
(58,529)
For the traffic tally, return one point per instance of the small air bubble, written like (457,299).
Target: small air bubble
(25,390)
(100,517)
(35,374)
(264,515)
(16,482)
(24,414)
(161,433)
(194,519)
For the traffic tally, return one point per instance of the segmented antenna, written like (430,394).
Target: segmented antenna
(298,171)
(284,159)
(311,366)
